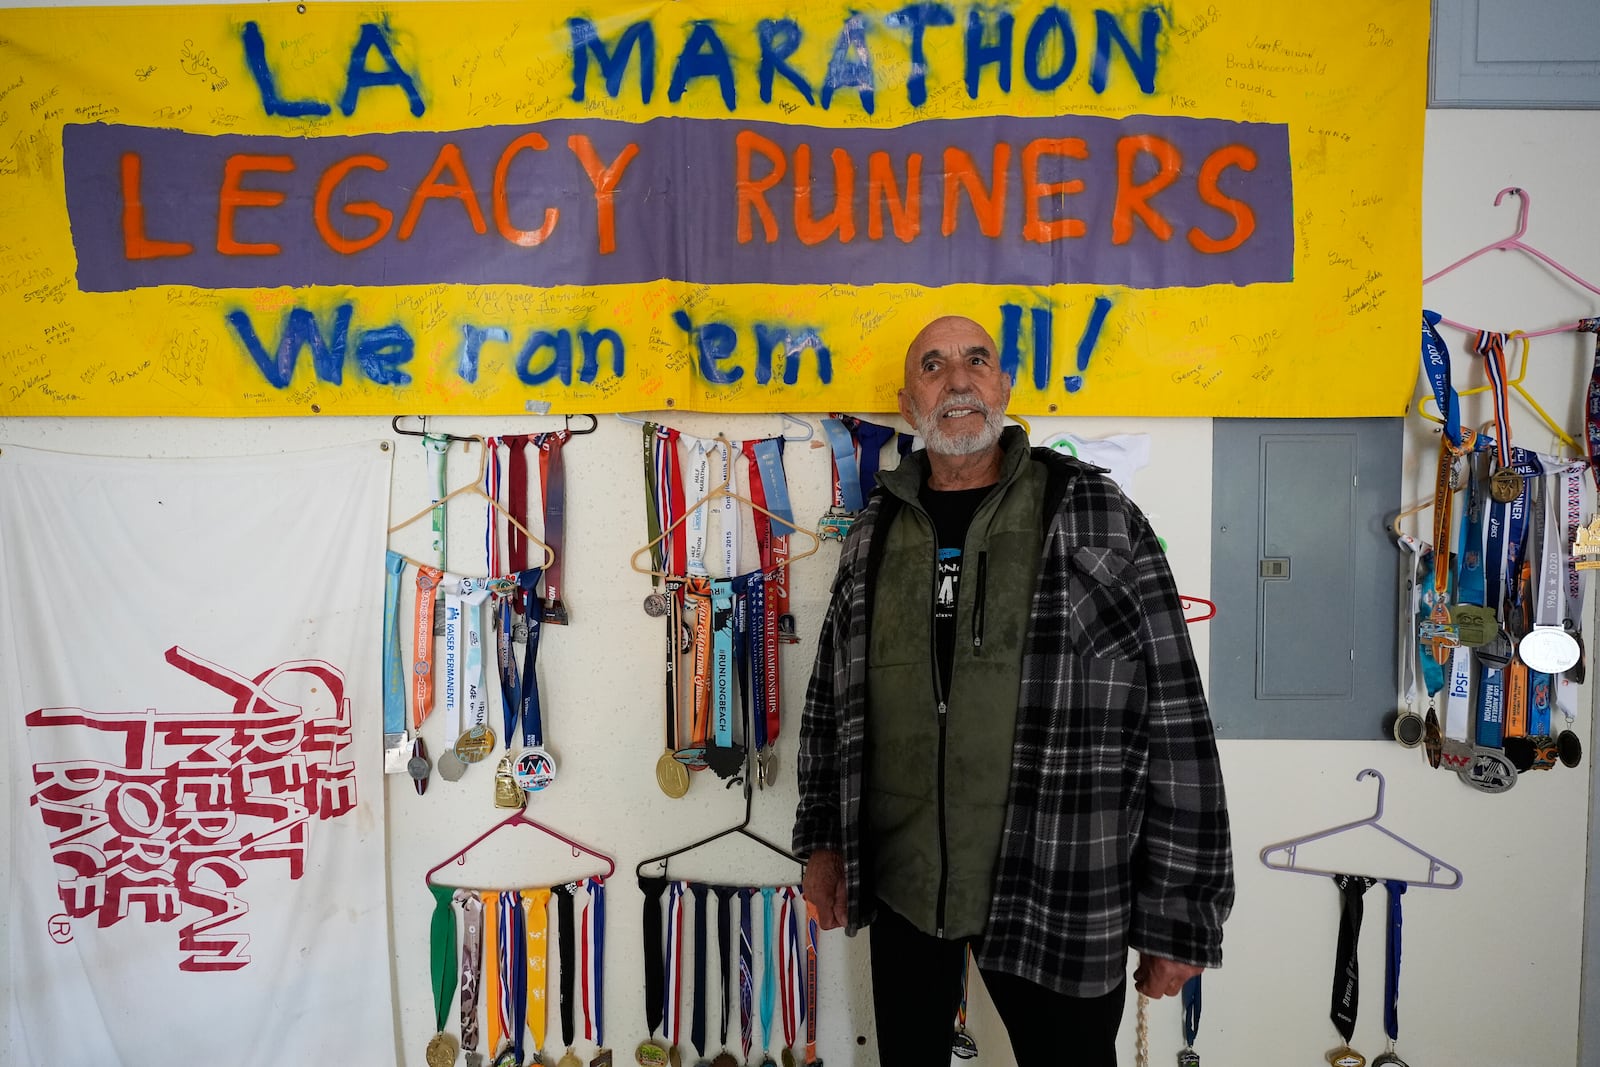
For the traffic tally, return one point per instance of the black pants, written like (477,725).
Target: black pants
(916,989)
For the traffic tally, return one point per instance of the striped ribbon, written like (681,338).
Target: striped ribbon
(671,1025)
(1491,346)
(594,949)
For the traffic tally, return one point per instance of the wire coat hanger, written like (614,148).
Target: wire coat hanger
(395,422)
(742,829)
(520,817)
(475,488)
(1286,861)
(1515,384)
(1525,202)
(722,490)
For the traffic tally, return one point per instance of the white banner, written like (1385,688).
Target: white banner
(190,668)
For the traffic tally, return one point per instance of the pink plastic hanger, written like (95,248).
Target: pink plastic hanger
(515,819)
(1525,202)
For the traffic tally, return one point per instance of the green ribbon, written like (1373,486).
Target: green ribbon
(442,953)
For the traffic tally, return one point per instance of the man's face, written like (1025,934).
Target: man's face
(955,394)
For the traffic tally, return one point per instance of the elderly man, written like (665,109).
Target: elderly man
(1005,744)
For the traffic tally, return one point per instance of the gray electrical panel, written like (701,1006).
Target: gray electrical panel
(1303,573)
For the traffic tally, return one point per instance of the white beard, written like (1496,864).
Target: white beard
(930,428)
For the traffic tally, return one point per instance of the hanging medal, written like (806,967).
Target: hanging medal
(962,1046)
(566,946)
(535,767)
(1391,977)
(1187,1056)
(1549,646)
(672,1024)
(471,977)
(847,499)
(1409,728)
(747,988)
(1475,623)
(770,488)
(535,1004)
(769,975)
(671,775)
(791,972)
(697,596)
(725,896)
(442,1047)
(513,964)
(1505,483)
(812,930)
(594,976)
(1346,968)
(650,1052)
(697,1017)
(553,487)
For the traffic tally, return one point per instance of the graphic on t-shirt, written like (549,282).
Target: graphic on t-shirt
(944,601)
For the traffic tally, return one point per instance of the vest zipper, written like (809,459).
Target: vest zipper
(942,709)
(979,600)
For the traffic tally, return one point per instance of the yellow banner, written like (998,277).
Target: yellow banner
(502,208)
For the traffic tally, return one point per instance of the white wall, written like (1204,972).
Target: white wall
(1491,972)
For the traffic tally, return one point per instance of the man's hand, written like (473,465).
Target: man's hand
(1156,977)
(823,885)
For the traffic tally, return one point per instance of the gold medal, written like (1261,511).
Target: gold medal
(506,792)
(1345,1056)
(442,1050)
(650,1054)
(725,1059)
(672,776)
(1505,486)
(787,1055)
(475,743)
(674,1057)
(569,1060)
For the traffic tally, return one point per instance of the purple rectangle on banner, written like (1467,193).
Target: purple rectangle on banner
(1144,201)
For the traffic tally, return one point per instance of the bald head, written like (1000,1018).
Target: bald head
(955,393)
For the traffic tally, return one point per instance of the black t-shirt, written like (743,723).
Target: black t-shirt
(951,511)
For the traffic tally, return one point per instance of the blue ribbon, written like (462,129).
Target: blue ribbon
(754,620)
(769,461)
(1191,1011)
(1436,365)
(1491,708)
(872,438)
(533,609)
(1391,972)
(1540,687)
(769,967)
(1470,568)
(847,473)
(1524,463)
(722,659)
(394,679)
(1432,669)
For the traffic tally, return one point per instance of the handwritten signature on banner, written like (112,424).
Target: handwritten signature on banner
(341,208)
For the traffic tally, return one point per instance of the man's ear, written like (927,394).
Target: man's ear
(905,406)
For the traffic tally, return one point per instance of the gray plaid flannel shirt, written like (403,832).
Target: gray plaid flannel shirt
(1116,829)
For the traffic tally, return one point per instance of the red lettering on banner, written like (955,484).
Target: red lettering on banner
(135,243)
(1133,198)
(232,197)
(194,799)
(604,178)
(331,180)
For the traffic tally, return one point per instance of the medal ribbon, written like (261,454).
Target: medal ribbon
(758,496)
(673,501)
(722,599)
(746,971)
(1491,346)
(513,972)
(729,523)
(724,950)
(775,488)
(491,517)
(492,996)
(654,964)
(1524,463)
(1591,419)
(471,965)
(673,1024)
(506,657)
(1191,1011)
(1436,365)
(1491,711)
(1458,702)
(1346,969)
(871,438)
(1391,972)
(532,920)
(697,592)
(789,964)
(811,982)
(517,503)
(1432,670)
(436,445)
(566,944)
(697,1022)
(1550,599)
(442,953)
(769,969)
(452,652)
(475,591)
(428,579)
(1572,495)
(846,470)
(594,959)
(652,503)
(1539,686)
(700,484)
(533,610)
(1469,561)
(755,624)
(553,484)
(1406,669)
(394,677)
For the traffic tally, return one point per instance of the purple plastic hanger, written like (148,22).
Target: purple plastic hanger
(1281,856)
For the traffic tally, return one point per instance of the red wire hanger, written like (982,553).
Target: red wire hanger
(515,819)
(1515,241)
